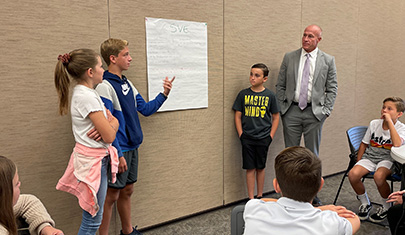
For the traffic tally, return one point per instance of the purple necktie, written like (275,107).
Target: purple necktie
(303,100)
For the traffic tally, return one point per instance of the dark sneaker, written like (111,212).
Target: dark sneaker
(134,232)
(364,211)
(380,215)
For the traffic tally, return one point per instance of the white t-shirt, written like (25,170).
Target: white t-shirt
(287,216)
(85,101)
(379,140)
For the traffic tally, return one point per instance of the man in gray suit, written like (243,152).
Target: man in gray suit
(306,91)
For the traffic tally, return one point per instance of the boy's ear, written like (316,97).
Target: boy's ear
(400,114)
(276,186)
(112,59)
(322,181)
(265,78)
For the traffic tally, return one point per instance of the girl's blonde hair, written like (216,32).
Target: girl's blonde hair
(75,64)
(7,173)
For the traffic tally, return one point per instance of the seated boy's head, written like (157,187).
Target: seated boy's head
(113,47)
(298,174)
(393,102)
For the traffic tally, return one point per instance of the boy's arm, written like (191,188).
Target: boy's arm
(149,108)
(274,123)
(238,122)
(269,199)
(122,165)
(167,86)
(395,138)
(106,93)
(355,222)
(345,213)
(362,148)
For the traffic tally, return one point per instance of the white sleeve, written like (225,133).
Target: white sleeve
(345,227)
(401,132)
(367,136)
(86,105)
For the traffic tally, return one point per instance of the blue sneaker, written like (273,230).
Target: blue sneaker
(134,232)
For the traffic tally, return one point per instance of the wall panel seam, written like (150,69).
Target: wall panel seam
(223,102)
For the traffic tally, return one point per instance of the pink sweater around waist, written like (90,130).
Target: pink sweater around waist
(83,175)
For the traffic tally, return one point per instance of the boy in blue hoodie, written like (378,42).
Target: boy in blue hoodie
(124,102)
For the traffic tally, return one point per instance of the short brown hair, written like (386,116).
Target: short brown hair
(299,173)
(263,67)
(112,46)
(399,103)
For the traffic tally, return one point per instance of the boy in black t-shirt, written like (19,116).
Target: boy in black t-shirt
(256,112)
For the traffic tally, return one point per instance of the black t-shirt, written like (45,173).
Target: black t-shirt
(256,108)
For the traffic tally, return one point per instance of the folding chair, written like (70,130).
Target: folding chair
(237,222)
(22,227)
(355,136)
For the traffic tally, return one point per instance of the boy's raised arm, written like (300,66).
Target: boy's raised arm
(395,138)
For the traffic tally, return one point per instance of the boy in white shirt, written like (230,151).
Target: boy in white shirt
(298,180)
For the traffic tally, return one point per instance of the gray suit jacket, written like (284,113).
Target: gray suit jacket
(324,84)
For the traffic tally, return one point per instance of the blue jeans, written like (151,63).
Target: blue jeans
(91,224)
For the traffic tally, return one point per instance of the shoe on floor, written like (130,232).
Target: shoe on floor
(364,211)
(380,215)
(134,232)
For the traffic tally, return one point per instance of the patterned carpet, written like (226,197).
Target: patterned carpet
(219,221)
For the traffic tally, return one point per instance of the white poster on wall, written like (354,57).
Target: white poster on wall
(178,48)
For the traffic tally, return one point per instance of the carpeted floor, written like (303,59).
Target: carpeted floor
(219,221)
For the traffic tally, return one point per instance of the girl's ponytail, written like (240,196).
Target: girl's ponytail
(75,64)
(62,83)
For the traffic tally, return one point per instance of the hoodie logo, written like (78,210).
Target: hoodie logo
(125,88)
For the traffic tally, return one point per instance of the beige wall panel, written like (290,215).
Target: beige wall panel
(32,134)
(190,160)
(259,32)
(380,57)
(181,159)
(338,21)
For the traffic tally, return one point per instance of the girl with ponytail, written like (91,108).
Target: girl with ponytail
(86,174)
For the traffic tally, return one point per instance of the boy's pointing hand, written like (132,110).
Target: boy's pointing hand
(167,85)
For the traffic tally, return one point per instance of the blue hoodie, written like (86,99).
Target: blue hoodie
(124,102)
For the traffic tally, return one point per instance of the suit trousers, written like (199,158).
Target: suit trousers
(297,122)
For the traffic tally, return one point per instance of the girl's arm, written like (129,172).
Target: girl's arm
(107,128)
(31,209)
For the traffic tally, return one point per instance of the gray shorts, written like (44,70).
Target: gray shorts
(131,175)
(371,166)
